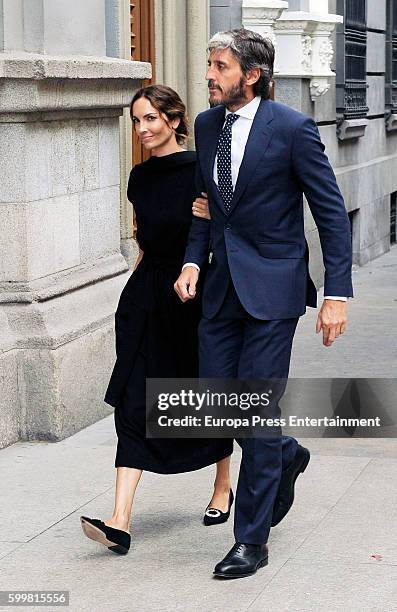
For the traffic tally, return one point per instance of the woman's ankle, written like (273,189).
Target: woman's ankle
(121,521)
(222,486)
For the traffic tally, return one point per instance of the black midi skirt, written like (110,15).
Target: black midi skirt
(155,338)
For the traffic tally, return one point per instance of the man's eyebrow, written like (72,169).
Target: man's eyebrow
(219,62)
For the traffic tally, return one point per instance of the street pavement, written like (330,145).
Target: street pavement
(335,550)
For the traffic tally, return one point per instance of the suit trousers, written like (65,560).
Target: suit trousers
(234,344)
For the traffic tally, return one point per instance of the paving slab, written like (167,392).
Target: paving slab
(48,481)
(363,523)
(329,587)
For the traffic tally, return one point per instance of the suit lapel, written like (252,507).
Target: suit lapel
(209,146)
(258,140)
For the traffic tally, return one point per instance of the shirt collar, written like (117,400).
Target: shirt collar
(249,110)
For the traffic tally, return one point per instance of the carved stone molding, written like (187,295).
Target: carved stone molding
(391,122)
(305,48)
(306,52)
(262,12)
(291,25)
(326,53)
(38,83)
(348,129)
(318,87)
(260,16)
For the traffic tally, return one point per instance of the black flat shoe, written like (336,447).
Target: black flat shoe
(286,490)
(242,560)
(213,516)
(116,540)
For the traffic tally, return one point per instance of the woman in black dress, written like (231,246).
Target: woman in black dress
(156,334)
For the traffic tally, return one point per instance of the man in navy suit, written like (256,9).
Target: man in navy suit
(255,160)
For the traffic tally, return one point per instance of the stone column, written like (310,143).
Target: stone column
(197,17)
(61,270)
(181,59)
(159,38)
(174,47)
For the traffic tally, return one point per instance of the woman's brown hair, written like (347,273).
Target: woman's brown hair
(166,101)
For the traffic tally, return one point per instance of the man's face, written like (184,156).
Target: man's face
(226,82)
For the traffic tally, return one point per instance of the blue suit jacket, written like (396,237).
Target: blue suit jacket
(260,243)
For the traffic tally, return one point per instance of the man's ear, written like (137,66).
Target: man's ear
(252,76)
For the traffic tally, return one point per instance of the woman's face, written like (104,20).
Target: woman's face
(151,126)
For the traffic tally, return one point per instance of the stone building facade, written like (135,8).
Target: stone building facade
(66,248)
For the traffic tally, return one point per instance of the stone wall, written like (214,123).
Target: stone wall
(61,269)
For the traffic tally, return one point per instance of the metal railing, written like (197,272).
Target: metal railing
(351,86)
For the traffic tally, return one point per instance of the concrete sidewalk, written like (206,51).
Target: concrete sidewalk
(369,346)
(321,555)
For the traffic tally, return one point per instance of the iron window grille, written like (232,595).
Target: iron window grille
(391,57)
(393,208)
(351,62)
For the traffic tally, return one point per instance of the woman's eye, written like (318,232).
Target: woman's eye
(151,118)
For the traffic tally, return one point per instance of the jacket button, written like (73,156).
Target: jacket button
(228,226)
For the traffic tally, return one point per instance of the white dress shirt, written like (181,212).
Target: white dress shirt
(240,132)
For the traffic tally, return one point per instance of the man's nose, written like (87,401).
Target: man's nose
(208,75)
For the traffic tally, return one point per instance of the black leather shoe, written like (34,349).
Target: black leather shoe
(116,540)
(286,490)
(242,560)
(213,516)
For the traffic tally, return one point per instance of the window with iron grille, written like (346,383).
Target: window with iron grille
(351,66)
(391,56)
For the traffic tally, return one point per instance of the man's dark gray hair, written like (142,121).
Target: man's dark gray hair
(252,51)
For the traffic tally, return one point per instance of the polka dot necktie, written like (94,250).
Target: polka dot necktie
(224,161)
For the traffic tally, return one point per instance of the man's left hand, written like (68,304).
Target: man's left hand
(332,319)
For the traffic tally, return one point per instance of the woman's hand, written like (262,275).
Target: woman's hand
(138,260)
(200,207)
(134,225)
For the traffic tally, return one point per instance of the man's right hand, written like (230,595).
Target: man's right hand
(185,286)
